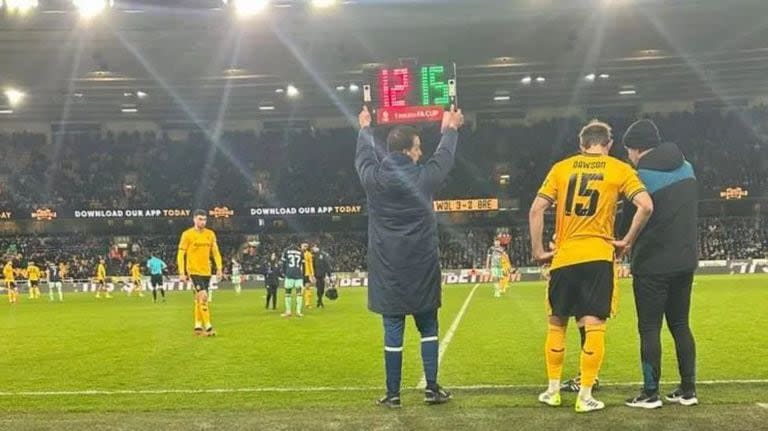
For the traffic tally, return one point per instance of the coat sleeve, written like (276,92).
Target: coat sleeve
(624,220)
(329,263)
(365,157)
(441,163)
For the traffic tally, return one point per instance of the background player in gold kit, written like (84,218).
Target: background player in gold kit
(196,247)
(309,275)
(101,279)
(585,189)
(33,275)
(506,273)
(136,279)
(10,282)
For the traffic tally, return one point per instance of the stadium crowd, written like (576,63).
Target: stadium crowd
(96,170)
(733,238)
(719,238)
(103,170)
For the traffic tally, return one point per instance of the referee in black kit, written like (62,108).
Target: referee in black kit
(663,261)
(403,258)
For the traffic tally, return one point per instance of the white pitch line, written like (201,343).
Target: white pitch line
(183,391)
(321,389)
(449,335)
(763,405)
(615,384)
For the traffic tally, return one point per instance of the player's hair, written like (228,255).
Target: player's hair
(401,138)
(199,213)
(595,133)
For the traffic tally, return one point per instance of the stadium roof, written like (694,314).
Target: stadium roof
(185,58)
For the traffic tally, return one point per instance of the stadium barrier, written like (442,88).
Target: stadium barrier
(472,276)
(360,279)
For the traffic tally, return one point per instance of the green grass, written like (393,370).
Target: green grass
(130,344)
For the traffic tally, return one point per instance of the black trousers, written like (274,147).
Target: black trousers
(656,297)
(320,284)
(272,296)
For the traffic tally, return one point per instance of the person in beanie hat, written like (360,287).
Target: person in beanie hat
(663,261)
(642,135)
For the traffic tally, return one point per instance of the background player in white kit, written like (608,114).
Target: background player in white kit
(236,277)
(493,265)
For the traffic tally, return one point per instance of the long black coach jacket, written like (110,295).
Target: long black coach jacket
(403,257)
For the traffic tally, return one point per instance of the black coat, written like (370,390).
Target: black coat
(271,270)
(403,256)
(322,263)
(668,244)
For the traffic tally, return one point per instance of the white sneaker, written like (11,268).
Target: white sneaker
(550,399)
(588,405)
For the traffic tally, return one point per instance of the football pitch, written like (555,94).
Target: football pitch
(127,363)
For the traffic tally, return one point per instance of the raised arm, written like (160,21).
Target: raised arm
(365,153)
(440,164)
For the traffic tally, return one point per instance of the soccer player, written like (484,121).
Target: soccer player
(33,275)
(10,282)
(309,275)
(236,277)
(663,262)
(323,270)
(196,247)
(136,279)
(506,273)
(586,189)
(54,280)
(293,270)
(101,279)
(493,264)
(156,266)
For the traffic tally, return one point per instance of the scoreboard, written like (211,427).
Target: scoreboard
(410,93)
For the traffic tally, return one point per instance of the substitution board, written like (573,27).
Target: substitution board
(410,93)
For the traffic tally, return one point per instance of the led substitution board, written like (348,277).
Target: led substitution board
(410,93)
